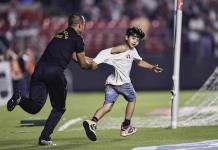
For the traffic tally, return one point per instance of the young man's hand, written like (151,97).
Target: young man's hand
(157,69)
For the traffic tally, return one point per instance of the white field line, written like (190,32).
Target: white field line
(138,122)
(204,145)
(69,123)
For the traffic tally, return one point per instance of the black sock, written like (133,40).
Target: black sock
(95,119)
(126,123)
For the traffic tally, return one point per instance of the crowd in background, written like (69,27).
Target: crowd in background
(26,26)
(32,23)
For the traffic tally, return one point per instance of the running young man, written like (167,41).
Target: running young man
(48,77)
(118,83)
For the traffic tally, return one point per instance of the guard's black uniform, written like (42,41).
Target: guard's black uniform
(48,77)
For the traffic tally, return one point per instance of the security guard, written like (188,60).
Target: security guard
(48,77)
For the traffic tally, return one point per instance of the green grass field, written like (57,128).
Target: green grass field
(83,105)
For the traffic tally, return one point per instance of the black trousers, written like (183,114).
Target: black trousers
(46,79)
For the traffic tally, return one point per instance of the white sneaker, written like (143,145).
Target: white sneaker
(128,131)
(90,127)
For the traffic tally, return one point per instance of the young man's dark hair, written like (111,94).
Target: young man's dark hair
(49,78)
(135,31)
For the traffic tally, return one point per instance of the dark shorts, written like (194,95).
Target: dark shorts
(112,92)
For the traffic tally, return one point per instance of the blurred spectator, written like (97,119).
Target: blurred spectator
(28,58)
(5,1)
(26,2)
(90,11)
(4,43)
(17,72)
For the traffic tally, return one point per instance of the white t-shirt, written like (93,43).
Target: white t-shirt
(122,63)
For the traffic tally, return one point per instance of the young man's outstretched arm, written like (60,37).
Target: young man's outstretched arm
(144,64)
